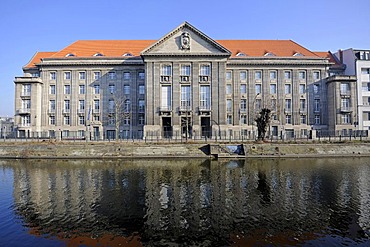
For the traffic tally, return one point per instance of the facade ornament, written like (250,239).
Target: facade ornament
(185,41)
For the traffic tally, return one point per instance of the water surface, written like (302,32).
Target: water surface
(282,202)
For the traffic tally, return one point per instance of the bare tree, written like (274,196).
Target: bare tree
(119,109)
(263,120)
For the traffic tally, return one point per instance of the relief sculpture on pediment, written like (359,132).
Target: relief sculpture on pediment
(185,41)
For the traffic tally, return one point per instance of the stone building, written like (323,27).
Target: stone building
(184,85)
(6,127)
(357,64)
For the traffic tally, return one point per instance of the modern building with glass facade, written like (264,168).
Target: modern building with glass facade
(183,85)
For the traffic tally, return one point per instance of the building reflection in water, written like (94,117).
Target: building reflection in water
(196,202)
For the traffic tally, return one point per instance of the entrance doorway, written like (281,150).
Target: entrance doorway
(167,127)
(96,133)
(205,123)
(111,134)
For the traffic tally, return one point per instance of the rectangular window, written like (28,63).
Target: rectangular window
(126,75)
(243,75)
(228,89)
(243,88)
(205,98)
(81,120)
(316,75)
(67,106)
(52,120)
(53,76)
(302,104)
(141,106)
(26,104)
(126,89)
(96,105)
(141,89)
(81,105)
(67,89)
(258,88)
(303,119)
(141,75)
(166,98)
(141,119)
(243,105)
(229,105)
(287,75)
(67,120)
(302,88)
(229,119)
(112,88)
(96,75)
(317,119)
(258,104)
(185,70)
(26,90)
(205,70)
(288,119)
(316,105)
(344,89)
(228,75)
(26,120)
(67,75)
(243,119)
(112,75)
(185,98)
(35,74)
(288,105)
(258,75)
(288,88)
(52,89)
(272,75)
(111,106)
(81,89)
(272,88)
(52,106)
(166,70)
(345,104)
(82,75)
(96,89)
(302,75)
(346,118)
(316,88)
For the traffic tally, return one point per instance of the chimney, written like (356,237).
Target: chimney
(340,53)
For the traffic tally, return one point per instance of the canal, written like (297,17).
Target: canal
(185,202)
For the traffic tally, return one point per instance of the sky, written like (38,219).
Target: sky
(44,25)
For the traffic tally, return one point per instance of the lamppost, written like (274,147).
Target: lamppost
(253,112)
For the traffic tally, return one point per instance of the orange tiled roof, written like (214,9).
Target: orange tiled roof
(327,54)
(109,48)
(258,48)
(116,48)
(37,58)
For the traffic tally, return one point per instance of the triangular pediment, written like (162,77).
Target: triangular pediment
(186,40)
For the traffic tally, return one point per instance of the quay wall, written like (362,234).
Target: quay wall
(86,150)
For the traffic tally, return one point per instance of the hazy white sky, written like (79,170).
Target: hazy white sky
(44,25)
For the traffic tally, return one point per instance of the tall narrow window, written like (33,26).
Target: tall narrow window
(288,105)
(96,89)
(141,106)
(302,88)
(112,75)
(316,88)
(258,75)
(302,104)
(243,105)
(112,88)
(141,89)
(52,89)
(126,89)
(166,98)
(67,75)
(228,89)
(272,88)
(81,106)
(26,90)
(82,75)
(185,98)
(81,89)
(126,75)
(288,89)
(205,98)
(52,106)
(67,89)
(316,105)
(111,106)
(185,70)
(204,73)
(53,76)
(287,75)
(228,75)
(243,75)
(258,88)
(96,75)
(67,106)
(229,105)
(272,75)
(243,88)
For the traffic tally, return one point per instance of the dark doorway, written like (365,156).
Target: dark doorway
(205,123)
(111,134)
(167,127)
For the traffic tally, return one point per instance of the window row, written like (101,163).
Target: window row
(273,74)
(126,120)
(113,106)
(96,89)
(112,75)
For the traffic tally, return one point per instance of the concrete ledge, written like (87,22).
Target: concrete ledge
(119,150)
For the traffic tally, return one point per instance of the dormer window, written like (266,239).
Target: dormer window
(241,54)
(70,55)
(298,54)
(128,55)
(269,54)
(98,54)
